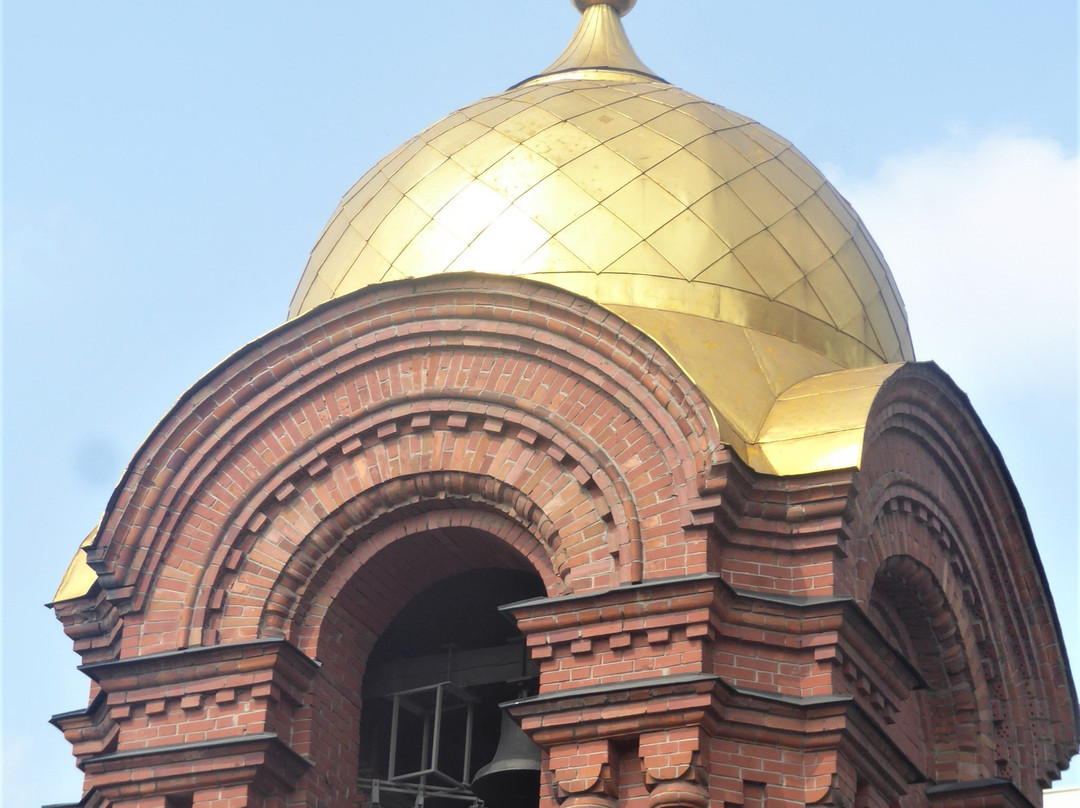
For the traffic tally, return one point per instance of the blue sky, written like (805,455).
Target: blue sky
(167,167)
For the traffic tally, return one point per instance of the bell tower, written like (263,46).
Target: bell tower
(593,468)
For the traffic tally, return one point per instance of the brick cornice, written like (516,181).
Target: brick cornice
(834,630)
(189,664)
(262,761)
(805,724)
(991,793)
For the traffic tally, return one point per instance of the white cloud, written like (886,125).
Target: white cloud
(981,235)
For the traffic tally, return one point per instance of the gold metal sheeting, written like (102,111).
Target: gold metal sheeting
(600,171)
(433,239)
(800,295)
(840,299)
(469,213)
(644,205)
(829,402)
(819,423)
(720,155)
(725,363)
(643,147)
(816,424)
(814,453)
(445,182)
(484,152)
(781,365)
(398,228)
(564,141)
(555,202)
(688,244)
(641,256)
(426,160)
(517,172)
(761,196)
(685,177)
(728,271)
(664,293)
(786,181)
(728,215)
(768,261)
(78,577)
(371,215)
(580,237)
(678,126)
(508,241)
(640,193)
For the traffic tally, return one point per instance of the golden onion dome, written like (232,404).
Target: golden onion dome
(699,226)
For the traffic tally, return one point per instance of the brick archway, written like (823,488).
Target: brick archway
(406,557)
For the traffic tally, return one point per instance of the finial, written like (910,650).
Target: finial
(621,6)
(599,43)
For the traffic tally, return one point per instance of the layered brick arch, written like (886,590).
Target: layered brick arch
(945,547)
(532,388)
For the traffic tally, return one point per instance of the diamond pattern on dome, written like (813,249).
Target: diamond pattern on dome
(621,181)
(555,202)
(601,172)
(643,147)
(517,172)
(729,216)
(598,253)
(718,153)
(688,244)
(800,241)
(445,182)
(458,137)
(786,181)
(685,177)
(644,205)
(484,152)
(678,126)
(729,273)
(561,143)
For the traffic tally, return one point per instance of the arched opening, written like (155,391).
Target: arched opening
(432,685)
(938,727)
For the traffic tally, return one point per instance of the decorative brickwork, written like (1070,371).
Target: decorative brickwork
(708,635)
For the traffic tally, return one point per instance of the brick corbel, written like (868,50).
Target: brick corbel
(584,774)
(674,767)
(674,754)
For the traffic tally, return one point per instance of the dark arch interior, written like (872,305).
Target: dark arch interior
(448,651)
(908,604)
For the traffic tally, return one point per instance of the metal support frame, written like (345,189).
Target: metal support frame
(448,698)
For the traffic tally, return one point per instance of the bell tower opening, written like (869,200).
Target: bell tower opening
(431,731)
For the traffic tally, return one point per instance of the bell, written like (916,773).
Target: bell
(512,778)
